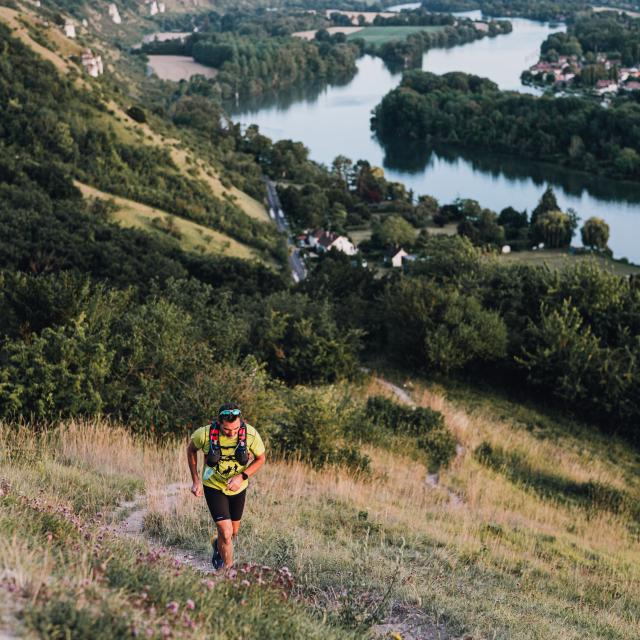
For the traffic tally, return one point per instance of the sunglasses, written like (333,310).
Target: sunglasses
(229,414)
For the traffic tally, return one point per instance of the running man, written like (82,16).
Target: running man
(233,452)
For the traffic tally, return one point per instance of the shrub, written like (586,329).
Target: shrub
(137,113)
(313,429)
(418,421)
(426,424)
(440,445)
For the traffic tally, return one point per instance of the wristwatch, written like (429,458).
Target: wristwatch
(245,476)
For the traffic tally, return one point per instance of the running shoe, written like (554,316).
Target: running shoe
(216,558)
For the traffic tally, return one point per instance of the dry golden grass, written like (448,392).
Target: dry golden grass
(488,556)
(194,237)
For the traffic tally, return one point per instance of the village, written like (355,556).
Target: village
(606,76)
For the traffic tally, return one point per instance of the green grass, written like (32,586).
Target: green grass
(559,259)
(380,35)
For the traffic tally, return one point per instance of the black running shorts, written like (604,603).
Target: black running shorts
(222,506)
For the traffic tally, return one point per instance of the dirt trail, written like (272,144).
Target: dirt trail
(432,479)
(408,623)
(133,525)
(399,392)
(404,622)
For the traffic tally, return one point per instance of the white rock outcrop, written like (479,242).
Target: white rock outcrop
(69,29)
(92,64)
(114,13)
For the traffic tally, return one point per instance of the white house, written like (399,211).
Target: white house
(322,240)
(394,256)
(153,8)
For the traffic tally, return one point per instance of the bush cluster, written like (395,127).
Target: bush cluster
(422,423)
(317,427)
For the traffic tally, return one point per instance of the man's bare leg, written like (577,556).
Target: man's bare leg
(225,541)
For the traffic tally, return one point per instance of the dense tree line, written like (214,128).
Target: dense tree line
(533,9)
(471,111)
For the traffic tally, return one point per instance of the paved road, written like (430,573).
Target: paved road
(298,270)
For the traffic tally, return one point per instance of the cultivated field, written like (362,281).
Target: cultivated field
(532,533)
(381,35)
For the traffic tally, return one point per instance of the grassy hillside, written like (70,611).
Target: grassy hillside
(189,235)
(513,541)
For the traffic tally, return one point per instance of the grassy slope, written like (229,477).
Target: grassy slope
(65,572)
(193,236)
(12,18)
(381,35)
(482,552)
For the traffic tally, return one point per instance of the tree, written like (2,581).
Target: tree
(595,234)
(512,220)
(547,203)
(370,183)
(453,329)
(447,258)
(342,167)
(627,162)
(396,231)
(482,229)
(554,228)
(299,340)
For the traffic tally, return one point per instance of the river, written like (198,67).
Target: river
(335,120)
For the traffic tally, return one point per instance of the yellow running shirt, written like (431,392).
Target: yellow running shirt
(228,465)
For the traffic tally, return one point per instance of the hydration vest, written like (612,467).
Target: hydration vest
(215,451)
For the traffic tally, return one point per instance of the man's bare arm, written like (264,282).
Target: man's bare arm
(253,468)
(192,459)
(234,483)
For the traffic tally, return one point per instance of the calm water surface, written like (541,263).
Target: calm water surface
(335,120)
